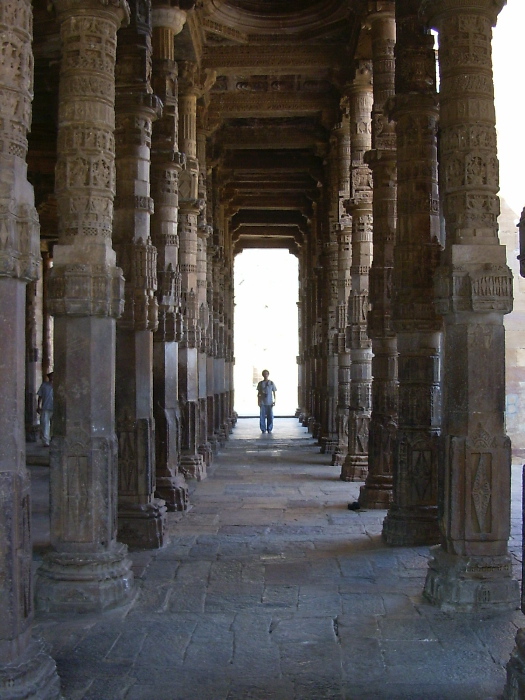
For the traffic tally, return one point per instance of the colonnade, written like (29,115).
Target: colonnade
(398,322)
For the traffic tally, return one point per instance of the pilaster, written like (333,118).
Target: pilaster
(355,465)
(141,516)
(26,671)
(471,569)
(412,517)
(166,165)
(377,491)
(88,570)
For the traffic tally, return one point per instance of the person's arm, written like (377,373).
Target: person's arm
(273,391)
(39,404)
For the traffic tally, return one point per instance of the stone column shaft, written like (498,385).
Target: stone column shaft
(24,665)
(471,569)
(355,465)
(192,462)
(412,518)
(203,233)
(344,261)
(166,164)
(87,570)
(141,516)
(377,491)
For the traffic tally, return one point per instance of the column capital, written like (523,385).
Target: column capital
(432,11)
(117,8)
(378,9)
(169,18)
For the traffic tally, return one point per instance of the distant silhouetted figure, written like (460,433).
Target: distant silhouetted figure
(266,398)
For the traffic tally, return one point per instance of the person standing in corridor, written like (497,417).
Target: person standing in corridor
(266,398)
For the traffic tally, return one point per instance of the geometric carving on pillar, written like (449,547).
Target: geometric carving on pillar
(86,290)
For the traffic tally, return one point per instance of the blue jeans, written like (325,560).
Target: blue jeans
(266,421)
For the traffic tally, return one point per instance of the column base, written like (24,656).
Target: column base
(213,442)
(404,527)
(471,584)
(143,525)
(338,457)
(515,685)
(193,466)
(207,453)
(354,468)
(328,445)
(32,677)
(377,494)
(84,582)
(173,490)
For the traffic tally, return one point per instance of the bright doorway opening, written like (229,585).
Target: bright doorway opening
(266,327)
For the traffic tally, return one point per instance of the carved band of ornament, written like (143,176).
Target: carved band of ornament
(87,85)
(144,265)
(461,12)
(134,202)
(18,15)
(140,312)
(101,9)
(16,111)
(474,137)
(471,110)
(19,242)
(92,112)
(484,290)
(85,290)
(75,61)
(74,138)
(86,172)
(16,61)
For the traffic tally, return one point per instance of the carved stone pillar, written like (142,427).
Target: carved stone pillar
(328,436)
(204,234)
(141,516)
(377,491)
(412,518)
(192,463)
(471,569)
(88,570)
(355,465)
(344,261)
(166,163)
(33,361)
(25,668)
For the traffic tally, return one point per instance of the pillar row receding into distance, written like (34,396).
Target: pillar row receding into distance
(472,568)
(26,671)
(88,570)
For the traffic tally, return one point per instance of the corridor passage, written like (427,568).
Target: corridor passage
(271,589)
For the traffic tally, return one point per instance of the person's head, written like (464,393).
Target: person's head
(50,377)
(265,373)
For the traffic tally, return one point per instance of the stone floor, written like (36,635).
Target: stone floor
(271,589)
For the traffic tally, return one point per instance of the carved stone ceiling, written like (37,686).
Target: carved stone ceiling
(280,66)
